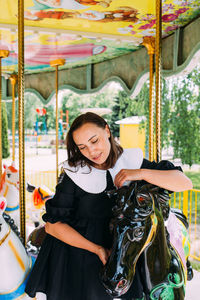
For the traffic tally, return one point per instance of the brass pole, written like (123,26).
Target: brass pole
(158,78)
(13,80)
(56,63)
(3,54)
(149,43)
(21,118)
(57,141)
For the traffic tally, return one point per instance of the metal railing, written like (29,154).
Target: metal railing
(189,203)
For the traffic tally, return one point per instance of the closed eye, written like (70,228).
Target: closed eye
(81,148)
(93,142)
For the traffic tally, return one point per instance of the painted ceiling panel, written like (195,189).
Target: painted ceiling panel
(85,31)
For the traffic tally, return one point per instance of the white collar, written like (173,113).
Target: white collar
(94,181)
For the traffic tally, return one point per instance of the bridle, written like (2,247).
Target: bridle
(5,236)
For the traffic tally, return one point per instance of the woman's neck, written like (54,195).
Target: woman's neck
(100,167)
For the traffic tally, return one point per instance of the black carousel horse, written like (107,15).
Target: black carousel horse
(138,227)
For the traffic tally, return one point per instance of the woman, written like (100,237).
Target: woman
(78,238)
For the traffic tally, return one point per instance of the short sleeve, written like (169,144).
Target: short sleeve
(162,165)
(61,207)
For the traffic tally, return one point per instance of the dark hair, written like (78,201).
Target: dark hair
(75,157)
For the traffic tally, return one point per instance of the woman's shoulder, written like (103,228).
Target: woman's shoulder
(65,184)
(91,180)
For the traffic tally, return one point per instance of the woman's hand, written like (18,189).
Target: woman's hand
(103,254)
(126,175)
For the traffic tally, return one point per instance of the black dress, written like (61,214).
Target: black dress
(64,272)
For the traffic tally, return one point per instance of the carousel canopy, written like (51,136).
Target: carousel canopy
(105,34)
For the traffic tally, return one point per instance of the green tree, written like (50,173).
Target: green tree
(185,121)
(165,113)
(123,107)
(50,117)
(72,102)
(115,117)
(5,142)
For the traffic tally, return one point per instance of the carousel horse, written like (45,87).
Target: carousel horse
(138,227)
(9,188)
(15,263)
(39,196)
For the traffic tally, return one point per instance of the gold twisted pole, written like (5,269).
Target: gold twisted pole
(21,118)
(13,80)
(56,63)
(149,43)
(158,78)
(3,54)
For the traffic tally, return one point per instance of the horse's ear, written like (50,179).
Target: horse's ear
(30,188)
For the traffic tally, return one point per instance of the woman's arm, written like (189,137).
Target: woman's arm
(70,236)
(173,180)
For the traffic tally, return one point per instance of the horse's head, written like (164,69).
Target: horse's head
(41,195)
(133,226)
(10,177)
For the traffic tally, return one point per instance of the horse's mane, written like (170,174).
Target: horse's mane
(12,225)
(3,179)
(37,200)
(40,195)
(12,169)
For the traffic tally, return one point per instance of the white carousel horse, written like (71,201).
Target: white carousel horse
(39,196)
(15,263)
(9,188)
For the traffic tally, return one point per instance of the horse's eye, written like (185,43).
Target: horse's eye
(140,199)
(8,175)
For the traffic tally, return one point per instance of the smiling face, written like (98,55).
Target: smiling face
(93,142)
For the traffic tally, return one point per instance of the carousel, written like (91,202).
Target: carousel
(50,45)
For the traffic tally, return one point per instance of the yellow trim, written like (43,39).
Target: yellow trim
(21,297)
(5,237)
(6,191)
(154,221)
(17,255)
(11,206)
(151,233)
(10,182)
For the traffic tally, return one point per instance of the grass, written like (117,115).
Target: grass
(195,177)
(195,264)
